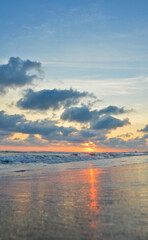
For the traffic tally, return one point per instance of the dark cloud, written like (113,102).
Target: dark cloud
(45,128)
(88,133)
(108,122)
(144,129)
(17,123)
(145,136)
(18,73)
(119,143)
(49,131)
(84,114)
(113,110)
(67,131)
(9,122)
(4,135)
(78,114)
(54,99)
(71,138)
(31,140)
(127,135)
(74,136)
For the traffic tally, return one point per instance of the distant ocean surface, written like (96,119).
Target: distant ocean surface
(105,159)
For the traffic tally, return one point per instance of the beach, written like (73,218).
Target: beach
(74,200)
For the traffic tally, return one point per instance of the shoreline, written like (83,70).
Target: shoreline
(24,163)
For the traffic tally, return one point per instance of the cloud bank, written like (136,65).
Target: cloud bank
(51,133)
(95,124)
(18,123)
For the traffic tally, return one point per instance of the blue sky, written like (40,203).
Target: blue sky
(98,46)
(102,35)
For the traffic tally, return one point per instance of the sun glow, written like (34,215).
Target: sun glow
(18,136)
(89,146)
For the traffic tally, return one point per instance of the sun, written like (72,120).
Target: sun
(89,146)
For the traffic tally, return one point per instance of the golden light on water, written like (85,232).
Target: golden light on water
(94,192)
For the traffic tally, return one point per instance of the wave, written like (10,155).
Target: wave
(7,157)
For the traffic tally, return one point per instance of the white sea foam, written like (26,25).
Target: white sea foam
(7,157)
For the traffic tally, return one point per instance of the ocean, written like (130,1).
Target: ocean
(104,159)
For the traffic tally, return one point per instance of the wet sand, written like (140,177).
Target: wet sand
(93,203)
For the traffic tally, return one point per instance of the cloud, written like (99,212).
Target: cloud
(145,136)
(113,110)
(31,140)
(109,122)
(88,133)
(126,135)
(78,114)
(18,123)
(119,143)
(144,129)
(18,73)
(10,122)
(50,99)
(49,131)
(84,114)
(4,135)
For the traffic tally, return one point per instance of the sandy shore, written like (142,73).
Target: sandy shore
(90,203)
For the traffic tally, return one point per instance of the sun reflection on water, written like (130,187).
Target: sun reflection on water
(94,194)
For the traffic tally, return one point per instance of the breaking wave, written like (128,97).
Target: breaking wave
(7,157)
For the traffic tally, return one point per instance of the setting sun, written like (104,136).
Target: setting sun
(89,146)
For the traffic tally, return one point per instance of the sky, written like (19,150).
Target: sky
(74,75)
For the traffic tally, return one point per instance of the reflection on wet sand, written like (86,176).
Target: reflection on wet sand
(109,203)
(94,192)
(94,209)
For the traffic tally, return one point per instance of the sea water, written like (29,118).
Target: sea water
(105,159)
